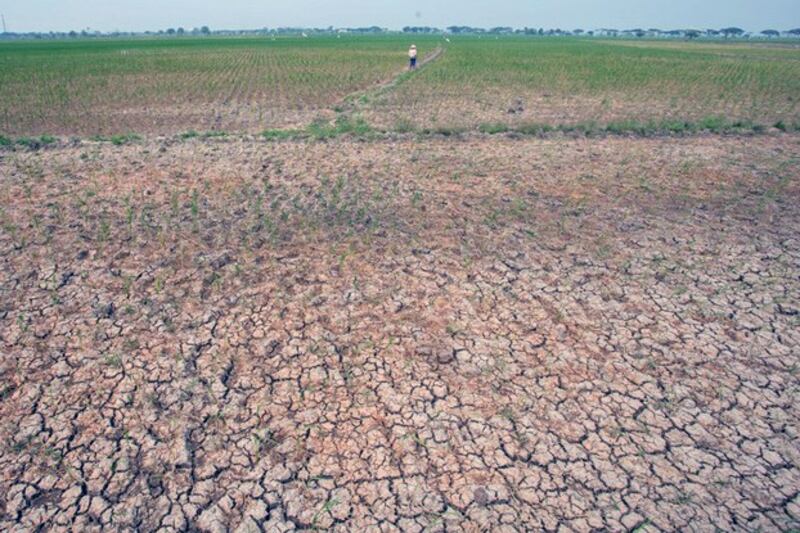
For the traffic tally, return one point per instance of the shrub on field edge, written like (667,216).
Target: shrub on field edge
(494,128)
(786,126)
(5,141)
(534,129)
(586,128)
(676,126)
(34,143)
(117,140)
(713,124)
(628,126)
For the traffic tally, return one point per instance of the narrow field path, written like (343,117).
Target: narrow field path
(358,100)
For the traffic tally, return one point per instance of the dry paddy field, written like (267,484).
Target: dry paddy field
(347,326)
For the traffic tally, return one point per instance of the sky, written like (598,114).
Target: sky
(139,15)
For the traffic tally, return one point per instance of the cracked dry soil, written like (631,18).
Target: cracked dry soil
(439,335)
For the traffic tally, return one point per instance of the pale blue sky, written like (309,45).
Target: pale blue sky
(106,15)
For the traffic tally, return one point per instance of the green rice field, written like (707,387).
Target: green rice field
(566,81)
(168,86)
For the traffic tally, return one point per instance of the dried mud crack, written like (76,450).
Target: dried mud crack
(488,334)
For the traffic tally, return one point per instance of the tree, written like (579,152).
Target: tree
(181,31)
(795,31)
(171,31)
(578,31)
(727,32)
(205,30)
(771,33)
(469,29)
(692,34)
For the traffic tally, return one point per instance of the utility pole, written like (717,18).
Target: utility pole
(4,23)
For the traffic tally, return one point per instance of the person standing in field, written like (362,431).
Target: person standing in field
(412,56)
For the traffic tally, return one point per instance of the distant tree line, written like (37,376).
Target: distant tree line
(727,33)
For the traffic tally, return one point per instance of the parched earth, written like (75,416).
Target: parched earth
(401,335)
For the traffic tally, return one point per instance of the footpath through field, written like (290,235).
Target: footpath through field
(359,99)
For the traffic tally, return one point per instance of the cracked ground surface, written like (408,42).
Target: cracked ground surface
(418,335)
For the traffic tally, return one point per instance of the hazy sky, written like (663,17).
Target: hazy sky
(106,15)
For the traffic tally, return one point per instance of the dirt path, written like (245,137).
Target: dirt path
(359,99)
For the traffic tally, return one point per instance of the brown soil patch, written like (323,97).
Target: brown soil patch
(478,334)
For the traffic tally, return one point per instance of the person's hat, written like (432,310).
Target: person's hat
(413,46)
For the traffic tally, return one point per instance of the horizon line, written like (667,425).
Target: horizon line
(444,29)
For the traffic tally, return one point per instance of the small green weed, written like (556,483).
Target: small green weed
(119,140)
(113,360)
(281,135)
(493,128)
(344,125)
(34,143)
(534,129)
(404,126)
